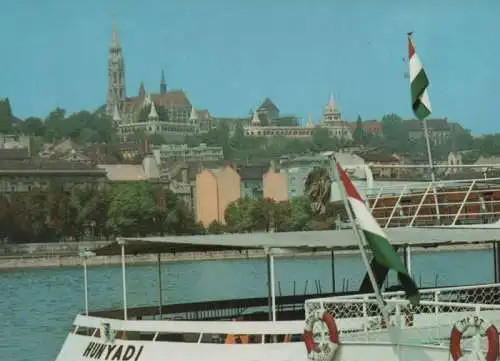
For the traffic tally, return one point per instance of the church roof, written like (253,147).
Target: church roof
(268,105)
(169,100)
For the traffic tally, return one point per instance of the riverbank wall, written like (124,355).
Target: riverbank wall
(39,260)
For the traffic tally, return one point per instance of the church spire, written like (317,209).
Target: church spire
(115,42)
(163,83)
(116,74)
(142,90)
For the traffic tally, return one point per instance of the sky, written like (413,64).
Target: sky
(229,55)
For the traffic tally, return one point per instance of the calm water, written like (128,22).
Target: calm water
(37,307)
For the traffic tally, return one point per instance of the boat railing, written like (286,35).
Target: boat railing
(448,202)
(247,308)
(486,293)
(430,322)
(187,331)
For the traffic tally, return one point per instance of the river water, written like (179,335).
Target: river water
(37,307)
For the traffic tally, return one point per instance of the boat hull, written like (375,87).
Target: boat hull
(84,348)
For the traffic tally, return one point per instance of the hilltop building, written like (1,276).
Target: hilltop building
(267,122)
(167,112)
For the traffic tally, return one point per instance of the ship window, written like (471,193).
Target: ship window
(134,335)
(178,337)
(85,331)
(284,338)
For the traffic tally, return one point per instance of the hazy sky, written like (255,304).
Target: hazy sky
(229,55)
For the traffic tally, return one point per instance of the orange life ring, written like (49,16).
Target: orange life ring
(328,344)
(484,328)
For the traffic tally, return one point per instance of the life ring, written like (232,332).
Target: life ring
(327,345)
(484,328)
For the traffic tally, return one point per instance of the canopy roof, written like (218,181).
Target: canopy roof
(302,241)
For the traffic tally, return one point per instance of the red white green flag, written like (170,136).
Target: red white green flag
(418,83)
(377,239)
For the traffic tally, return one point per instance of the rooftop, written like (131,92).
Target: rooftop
(304,241)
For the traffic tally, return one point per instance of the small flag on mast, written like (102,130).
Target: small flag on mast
(377,239)
(418,83)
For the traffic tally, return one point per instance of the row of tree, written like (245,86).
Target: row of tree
(95,127)
(62,213)
(143,208)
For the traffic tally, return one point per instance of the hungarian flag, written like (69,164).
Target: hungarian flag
(418,83)
(377,240)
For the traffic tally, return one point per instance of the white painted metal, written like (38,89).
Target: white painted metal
(361,335)
(408,259)
(395,208)
(422,200)
(273,287)
(473,183)
(85,285)
(124,280)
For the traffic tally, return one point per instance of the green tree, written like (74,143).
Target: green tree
(32,126)
(318,189)
(359,133)
(215,227)
(6,117)
(238,137)
(395,134)
(301,213)
(132,209)
(237,216)
(322,140)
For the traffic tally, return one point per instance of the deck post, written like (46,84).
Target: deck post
(160,292)
(496,260)
(332,256)
(121,242)
(84,254)
(408,259)
(271,289)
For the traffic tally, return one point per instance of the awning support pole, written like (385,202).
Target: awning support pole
(121,242)
(269,287)
(333,269)
(408,259)
(160,292)
(85,283)
(273,288)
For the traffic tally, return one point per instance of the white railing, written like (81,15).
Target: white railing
(486,293)
(359,318)
(470,201)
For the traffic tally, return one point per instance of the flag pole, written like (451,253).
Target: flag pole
(426,136)
(361,242)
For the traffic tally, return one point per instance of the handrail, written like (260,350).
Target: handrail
(423,292)
(469,200)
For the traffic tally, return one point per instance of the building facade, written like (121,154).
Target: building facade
(217,188)
(182,152)
(21,173)
(167,112)
(267,122)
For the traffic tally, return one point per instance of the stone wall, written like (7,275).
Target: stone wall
(56,248)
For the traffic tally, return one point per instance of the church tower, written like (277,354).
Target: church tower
(116,75)
(163,83)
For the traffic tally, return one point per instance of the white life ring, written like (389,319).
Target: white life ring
(483,327)
(325,347)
